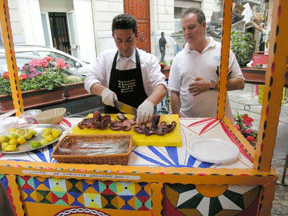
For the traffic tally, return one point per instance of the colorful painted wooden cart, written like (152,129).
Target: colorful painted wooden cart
(158,180)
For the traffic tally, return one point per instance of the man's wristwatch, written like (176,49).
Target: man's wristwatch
(212,85)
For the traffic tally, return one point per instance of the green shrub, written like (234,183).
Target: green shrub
(243,46)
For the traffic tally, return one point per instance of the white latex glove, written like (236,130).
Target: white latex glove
(108,96)
(145,112)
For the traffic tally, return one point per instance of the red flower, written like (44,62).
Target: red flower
(60,63)
(23,76)
(247,131)
(250,138)
(6,75)
(162,66)
(237,126)
(247,120)
(49,59)
(244,125)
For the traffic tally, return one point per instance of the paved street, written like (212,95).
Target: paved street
(246,101)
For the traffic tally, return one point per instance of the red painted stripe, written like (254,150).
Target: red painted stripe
(233,139)
(66,122)
(205,128)
(201,121)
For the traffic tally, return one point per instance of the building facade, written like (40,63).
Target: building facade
(83,27)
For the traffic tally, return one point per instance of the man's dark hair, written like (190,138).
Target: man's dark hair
(124,21)
(162,34)
(197,11)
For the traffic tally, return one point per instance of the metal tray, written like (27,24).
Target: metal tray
(38,128)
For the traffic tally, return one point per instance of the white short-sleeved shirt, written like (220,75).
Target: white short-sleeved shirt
(265,35)
(150,68)
(189,64)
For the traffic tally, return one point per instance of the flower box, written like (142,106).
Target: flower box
(75,90)
(33,98)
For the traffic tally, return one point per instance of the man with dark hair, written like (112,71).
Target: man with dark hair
(127,73)
(124,21)
(194,74)
(162,46)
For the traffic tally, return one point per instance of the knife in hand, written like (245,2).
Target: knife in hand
(124,108)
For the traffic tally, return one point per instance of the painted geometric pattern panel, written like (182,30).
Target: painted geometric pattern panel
(196,200)
(4,181)
(86,193)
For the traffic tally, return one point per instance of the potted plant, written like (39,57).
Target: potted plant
(243,46)
(244,125)
(74,88)
(41,82)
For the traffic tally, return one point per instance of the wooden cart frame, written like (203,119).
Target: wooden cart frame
(209,179)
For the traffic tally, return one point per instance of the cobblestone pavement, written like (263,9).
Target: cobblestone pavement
(246,101)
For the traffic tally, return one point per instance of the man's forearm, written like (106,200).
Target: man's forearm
(158,94)
(175,102)
(97,89)
(235,84)
(257,26)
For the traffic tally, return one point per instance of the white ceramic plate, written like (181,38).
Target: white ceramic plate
(213,150)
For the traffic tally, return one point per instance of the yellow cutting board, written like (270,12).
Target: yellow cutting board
(172,139)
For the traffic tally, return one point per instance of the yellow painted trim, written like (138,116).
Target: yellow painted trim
(156,199)
(225,49)
(10,56)
(268,195)
(211,190)
(15,193)
(146,174)
(274,83)
(244,142)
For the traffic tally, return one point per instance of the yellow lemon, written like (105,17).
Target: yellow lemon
(35,144)
(43,141)
(28,135)
(45,134)
(14,135)
(32,131)
(21,140)
(21,132)
(4,145)
(13,142)
(10,148)
(49,138)
(55,132)
(48,130)
(4,139)
(11,130)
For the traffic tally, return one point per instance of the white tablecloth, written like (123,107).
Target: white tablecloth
(157,156)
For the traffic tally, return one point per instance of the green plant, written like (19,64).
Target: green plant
(72,79)
(43,73)
(243,46)
(47,80)
(164,63)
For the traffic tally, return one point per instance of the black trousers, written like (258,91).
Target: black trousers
(162,51)
(262,46)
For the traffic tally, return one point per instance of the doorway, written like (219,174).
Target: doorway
(59,31)
(140,10)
